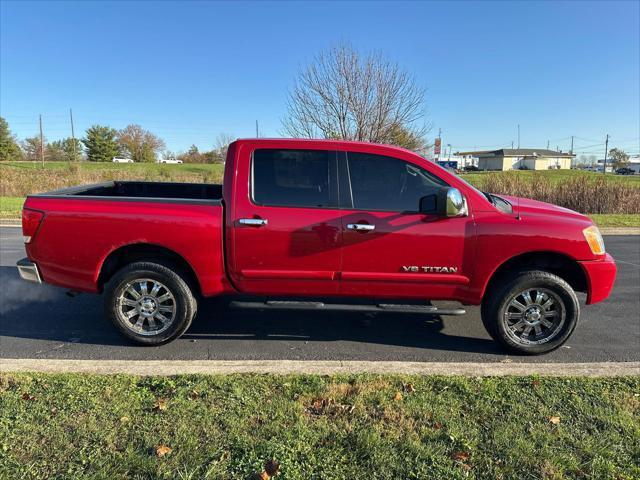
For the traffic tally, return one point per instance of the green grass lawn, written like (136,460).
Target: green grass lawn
(555,176)
(616,220)
(186,168)
(334,427)
(11,207)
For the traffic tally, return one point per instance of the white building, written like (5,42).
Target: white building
(521,159)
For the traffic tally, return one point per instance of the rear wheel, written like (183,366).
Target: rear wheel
(531,312)
(149,303)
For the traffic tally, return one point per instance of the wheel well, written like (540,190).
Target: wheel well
(561,265)
(144,252)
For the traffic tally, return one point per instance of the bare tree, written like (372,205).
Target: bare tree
(141,144)
(348,96)
(222,145)
(32,148)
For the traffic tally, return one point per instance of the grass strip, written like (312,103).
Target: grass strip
(339,427)
(11,207)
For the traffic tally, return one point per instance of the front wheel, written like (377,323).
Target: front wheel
(531,312)
(149,303)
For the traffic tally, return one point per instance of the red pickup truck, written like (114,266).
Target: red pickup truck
(319,225)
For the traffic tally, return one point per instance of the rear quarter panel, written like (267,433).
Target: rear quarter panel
(77,235)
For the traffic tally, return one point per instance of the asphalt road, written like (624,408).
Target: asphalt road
(40,321)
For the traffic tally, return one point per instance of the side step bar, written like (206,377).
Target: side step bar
(381,307)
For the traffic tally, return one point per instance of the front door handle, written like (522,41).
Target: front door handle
(253,222)
(361,227)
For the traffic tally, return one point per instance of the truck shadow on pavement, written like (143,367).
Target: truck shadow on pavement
(45,313)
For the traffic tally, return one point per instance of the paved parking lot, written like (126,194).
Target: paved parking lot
(42,322)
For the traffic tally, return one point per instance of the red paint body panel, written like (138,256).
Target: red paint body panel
(601,276)
(309,251)
(77,235)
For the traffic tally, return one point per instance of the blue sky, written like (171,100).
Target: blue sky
(190,70)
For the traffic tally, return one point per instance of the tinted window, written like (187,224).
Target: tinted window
(385,183)
(297,178)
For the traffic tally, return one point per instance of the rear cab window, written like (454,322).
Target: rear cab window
(293,178)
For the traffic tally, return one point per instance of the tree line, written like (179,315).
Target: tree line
(101,144)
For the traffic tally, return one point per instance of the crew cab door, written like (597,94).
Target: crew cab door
(286,229)
(390,249)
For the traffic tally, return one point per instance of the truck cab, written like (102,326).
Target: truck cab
(296,221)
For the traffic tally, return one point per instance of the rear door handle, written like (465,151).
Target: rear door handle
(253,222)
(361,227)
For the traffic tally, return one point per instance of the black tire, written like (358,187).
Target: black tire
(497,310)
(181,301)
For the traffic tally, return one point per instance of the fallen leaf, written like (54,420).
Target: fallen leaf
(554,420)
(408,387)
(160,405)
(535,383)
(54,411)
(398,396)
(460,456)
(193,394)
(28,397)
(259,476)
(162,450)
(124,419)
(437,425)
(272,467)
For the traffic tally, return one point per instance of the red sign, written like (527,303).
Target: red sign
(436,146)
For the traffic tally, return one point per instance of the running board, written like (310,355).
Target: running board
(382,307)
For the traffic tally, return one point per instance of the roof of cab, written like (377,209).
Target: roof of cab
(332,142)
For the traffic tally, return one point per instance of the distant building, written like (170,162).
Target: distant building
(520,159)
(633,164)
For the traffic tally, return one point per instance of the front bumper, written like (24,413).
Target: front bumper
(29,271)
(601,275)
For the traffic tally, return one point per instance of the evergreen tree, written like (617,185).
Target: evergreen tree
(9,149)
(100,143)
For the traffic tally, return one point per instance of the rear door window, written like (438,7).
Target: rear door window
(293,178)
(388,184)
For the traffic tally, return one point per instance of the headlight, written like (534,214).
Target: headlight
(594,239)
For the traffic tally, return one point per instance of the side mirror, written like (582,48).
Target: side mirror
(446,202)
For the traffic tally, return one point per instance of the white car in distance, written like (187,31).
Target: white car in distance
(121,160)
(168,160)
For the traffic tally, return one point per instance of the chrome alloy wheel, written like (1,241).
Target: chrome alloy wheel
(146,306)
(534,316)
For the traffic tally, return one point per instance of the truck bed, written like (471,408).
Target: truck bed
(149,191)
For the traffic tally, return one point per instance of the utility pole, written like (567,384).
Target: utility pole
(73,137)
(606,147)
(547,144)
(511,144)
(41,143)
(518,136)
(571,151)
(257,132)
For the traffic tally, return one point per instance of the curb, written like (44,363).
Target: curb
(283,367)
(620,231)
(10,222)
